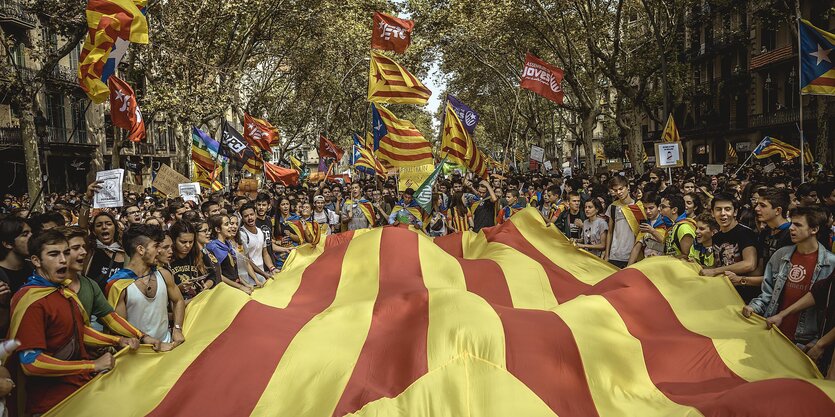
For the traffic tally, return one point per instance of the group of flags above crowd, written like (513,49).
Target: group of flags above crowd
(392,142)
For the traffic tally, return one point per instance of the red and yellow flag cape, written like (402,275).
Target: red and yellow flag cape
(512,321)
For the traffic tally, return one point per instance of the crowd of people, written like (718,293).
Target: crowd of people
(78,282)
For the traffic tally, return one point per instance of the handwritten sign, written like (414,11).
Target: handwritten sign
(168,180)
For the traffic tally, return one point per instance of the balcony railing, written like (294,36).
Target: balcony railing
(14,14)
(780,117)
(64,74)
(10,136)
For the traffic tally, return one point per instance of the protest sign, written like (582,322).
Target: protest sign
(167,180)
(714,169)
(190,191)
(668,155)
(537,153)
(413,177)
(110,193)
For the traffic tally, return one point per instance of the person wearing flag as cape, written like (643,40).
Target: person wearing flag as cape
(48,320)
(625,217)
(407,211)
(141,293)
(305,227)
(514,205)
(358,212)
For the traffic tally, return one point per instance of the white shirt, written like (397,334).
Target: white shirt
(254,245)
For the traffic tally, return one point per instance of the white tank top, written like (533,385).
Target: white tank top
(149,315)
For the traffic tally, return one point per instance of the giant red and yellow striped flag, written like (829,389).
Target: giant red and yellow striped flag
(512,321)
(388,82)
(397,141)
(459,146)
(107,20)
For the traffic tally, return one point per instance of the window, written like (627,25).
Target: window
(79,121)
(56,122)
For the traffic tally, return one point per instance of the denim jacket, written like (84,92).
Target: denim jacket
(774,280)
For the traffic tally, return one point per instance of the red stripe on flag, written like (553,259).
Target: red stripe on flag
(830,82)
(398,94)
(398,157)
(564,285)
(418,144)
(684,365)
(232,372)
(451,244)
(483,276)
(394,354)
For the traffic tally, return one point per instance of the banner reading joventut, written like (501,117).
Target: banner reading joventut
(542,78)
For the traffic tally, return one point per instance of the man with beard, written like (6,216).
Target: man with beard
(141,294)
(53,332)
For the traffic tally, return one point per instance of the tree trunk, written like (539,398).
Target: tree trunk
(589,120)
(95,132)
(31,157)
(822,143)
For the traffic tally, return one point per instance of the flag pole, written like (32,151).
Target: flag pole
(800,93)
(746,161)
(510,131)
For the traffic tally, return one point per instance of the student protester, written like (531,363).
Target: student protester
(263,221)
(256,245)
(407,211)
(652,231)
(554,205)
(358,212)
(186,264)
(594,229)
(141,293)
(106,256)
(680,237)
(570,221)
(327,218)
(436,226)
(92,300)
(209,208)
(735,246)
(305,227)
(625,216)
(702,251)
(692,205)
(47,319)
(483,205)
(513,206)
(14,236)
(222,255)
(790,274)
(459,219)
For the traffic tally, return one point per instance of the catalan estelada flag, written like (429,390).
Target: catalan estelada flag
(731,151)
(817,71)
(363,158)
(397,141)
(107,21)
(771,146)
(670,133)
(459,147)
(388,82)
(510,321)
(208,179)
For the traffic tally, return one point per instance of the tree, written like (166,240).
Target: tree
(65,20)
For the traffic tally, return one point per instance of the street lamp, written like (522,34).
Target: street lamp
(330,102)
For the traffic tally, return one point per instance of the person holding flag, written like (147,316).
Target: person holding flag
(358,212)
(407,211)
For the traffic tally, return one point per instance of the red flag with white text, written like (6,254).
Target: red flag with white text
(391,33)
(259,133)
(542,78)
(124,111)
(328,149)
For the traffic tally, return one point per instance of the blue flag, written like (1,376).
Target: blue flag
(817,71)
(467,115)
(378,127)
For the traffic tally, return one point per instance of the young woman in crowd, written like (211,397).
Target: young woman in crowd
(595,229)
(249,274)
(106,255)
(187,263)
(221,253)
(459,219)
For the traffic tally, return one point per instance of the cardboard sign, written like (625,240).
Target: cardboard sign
(770,167)
(110,193)
(168,180)
(615,166)
(548,166)
(714,169)
(537,153)
(413,177)
(668,155)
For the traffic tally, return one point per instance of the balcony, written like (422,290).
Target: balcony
(13,14)
(10,136)
(780,117)
(771,57)
(64,74)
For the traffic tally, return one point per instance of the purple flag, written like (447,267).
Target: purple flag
(467,115)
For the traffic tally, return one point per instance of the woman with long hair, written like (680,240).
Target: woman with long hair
(187,265)
(221,254)
(305,227)
(460,219)
(248,273)
(106,255)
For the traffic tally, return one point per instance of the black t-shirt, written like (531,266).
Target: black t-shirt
(768,243)
(824,293)
(267,226)
(102,267)
(728,247)
(15,279)
(183,269)
(484,215)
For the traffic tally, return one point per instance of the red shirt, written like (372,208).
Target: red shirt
(48,324)
(797,285)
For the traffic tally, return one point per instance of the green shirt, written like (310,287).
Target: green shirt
(672,242)
(92,299)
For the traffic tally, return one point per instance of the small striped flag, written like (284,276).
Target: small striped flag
(771,146)
(731,151)
(363,158)
(459,146)
(670,133)
(807,154)
(388,82)
(397,141)
(207,179)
